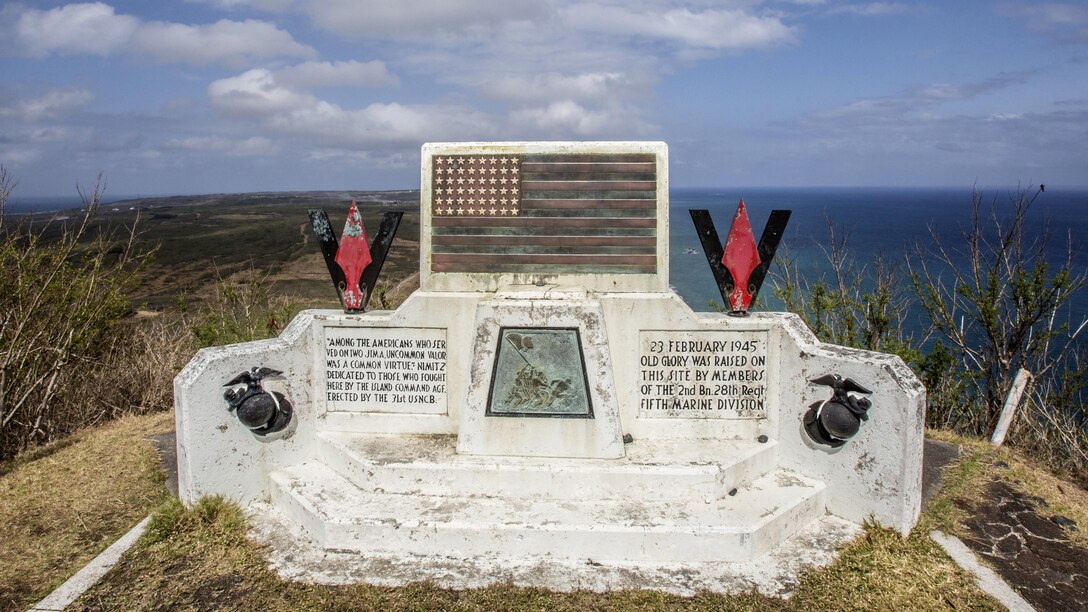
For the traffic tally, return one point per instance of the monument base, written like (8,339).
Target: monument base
(295,557)
(677,516)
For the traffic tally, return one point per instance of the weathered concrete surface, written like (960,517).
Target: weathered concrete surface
(741,526)
(600,436)
(293,556)
(347,500)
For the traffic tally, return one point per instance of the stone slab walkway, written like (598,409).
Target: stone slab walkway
(1027,546)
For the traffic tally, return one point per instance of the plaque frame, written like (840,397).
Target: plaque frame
(503,334)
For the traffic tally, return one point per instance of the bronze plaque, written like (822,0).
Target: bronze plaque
(539,372)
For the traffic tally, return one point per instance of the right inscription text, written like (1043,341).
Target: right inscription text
(703,374)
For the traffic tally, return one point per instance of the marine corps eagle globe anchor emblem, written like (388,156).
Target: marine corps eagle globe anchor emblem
(838,418)
(263,412)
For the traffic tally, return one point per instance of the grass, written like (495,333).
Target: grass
(63,503)
(199,558)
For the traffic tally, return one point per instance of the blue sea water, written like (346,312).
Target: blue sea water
(20,205)
(876,222)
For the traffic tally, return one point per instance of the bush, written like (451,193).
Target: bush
(858,306)
(993,303)
(241,308)
(61,305)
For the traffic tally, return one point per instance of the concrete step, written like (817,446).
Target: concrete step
(295,556)
(651,471)
(339,515)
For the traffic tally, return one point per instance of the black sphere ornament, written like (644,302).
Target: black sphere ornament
(263,412)
(837,419)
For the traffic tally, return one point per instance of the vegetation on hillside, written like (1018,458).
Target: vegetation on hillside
(62,309)
(64,502)
(73,354)
(100,308)
(993,304)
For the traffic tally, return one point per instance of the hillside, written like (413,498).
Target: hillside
(198,239)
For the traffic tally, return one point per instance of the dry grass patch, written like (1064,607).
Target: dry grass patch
(63,503)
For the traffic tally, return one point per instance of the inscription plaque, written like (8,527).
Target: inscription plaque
(703,374)
(377,369)
(539,372)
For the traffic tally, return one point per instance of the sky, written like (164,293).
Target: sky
(219,96)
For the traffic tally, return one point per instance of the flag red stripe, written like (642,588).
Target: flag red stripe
(588,186)
(551,204)
(590,167)
(475,239)
(479,258)
(601,222)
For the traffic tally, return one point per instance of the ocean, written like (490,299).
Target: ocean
(876,221)
(20,205)
(884,221)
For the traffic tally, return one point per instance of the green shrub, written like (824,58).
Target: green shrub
(242,308)
(859,306)
(61,306)
(993,304)
(993,300)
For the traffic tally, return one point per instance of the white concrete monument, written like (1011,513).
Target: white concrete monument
(546,410)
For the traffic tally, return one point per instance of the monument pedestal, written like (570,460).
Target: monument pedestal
(617,511)
(537,399)
(564,420)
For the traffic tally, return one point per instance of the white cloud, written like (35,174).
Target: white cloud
(554,86)
(49,104)
(50,134)
(1065,21)
(246,147)
(419,18)
(319,74)
(259,96)
(225,40)
(256,92)
(95,28)
(922,98)
(731,29)
(264,5)
(871,9)
(76,28)
(566,118)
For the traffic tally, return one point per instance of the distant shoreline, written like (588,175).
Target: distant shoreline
(45,205)
(34,205)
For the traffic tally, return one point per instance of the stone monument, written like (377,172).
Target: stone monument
(545,409)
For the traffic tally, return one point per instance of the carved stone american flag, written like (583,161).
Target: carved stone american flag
(551,213)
